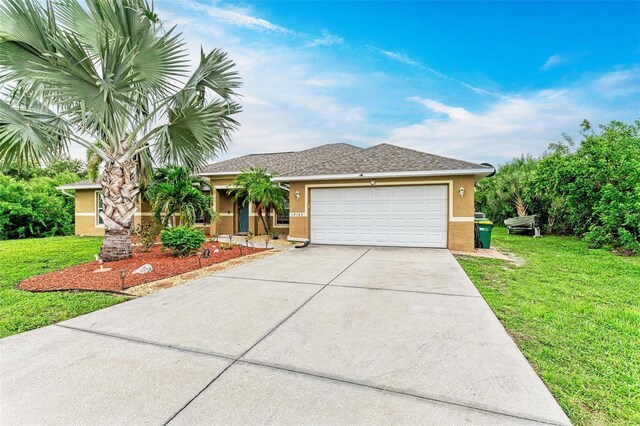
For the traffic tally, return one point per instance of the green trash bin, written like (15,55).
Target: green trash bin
(485,226)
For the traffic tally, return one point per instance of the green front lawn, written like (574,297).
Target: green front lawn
(21,310)
(575,314)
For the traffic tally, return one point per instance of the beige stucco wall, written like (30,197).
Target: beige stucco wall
(460,224)
(86,215)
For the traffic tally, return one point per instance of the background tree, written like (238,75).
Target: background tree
(506,194)
(175,190)
(30,204)
(34,207)
(592,190)
(53,168)
(110,73)
(257,187)
(603,195)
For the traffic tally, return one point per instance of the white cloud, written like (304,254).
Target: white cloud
(512,126)
(555,60)
(296,97)
(619,83)
(455,113)
(235,16)
(290,101)
(327,39)
(401,57)
(333,79)
(396,56)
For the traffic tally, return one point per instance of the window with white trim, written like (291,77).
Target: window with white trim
(283,219)
(99,208)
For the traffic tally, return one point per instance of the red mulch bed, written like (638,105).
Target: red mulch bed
(165,265)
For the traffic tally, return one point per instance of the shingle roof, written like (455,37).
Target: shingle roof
(83,184)
(282,162)
(384,158)
(332,159)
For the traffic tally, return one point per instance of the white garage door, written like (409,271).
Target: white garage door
(404,216)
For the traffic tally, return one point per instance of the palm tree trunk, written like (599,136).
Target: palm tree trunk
(264,223)
(119,190)
(267,221)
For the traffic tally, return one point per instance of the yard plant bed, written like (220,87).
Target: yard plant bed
(83,277)
(575,314)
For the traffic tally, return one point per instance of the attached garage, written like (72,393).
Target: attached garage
(384,195)
(403,216)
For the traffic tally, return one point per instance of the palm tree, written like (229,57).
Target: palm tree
(256,186)
(175,190)
(109,78)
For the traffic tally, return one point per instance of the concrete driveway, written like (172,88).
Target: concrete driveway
(322,335)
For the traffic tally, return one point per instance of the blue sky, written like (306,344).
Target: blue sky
(478,81)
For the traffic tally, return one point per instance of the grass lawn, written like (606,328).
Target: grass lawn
(21,310)
(575,314)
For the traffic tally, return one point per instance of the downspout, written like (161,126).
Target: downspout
(302,242)
(64,192)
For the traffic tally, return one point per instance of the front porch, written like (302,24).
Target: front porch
(236,219)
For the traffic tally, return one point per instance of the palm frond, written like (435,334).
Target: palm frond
(30,136)
(195,132)
(109,69)
(215,72)
(172,190)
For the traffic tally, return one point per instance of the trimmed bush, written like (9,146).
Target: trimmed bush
(182,240)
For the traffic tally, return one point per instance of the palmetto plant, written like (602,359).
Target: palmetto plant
(256,186)
(175,190)
(107,76)
(512,184)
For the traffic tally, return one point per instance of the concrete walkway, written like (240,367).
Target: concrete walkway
(321,335)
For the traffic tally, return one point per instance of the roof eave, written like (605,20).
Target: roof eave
(219,173)
(72,186)
(214,174)
(479,173)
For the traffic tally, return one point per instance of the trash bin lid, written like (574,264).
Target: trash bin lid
(483,222)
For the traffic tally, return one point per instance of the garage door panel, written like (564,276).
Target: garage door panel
(350,207)
(437,192)
(394,215)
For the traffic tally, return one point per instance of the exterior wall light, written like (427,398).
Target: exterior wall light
(297,195)
(461,191)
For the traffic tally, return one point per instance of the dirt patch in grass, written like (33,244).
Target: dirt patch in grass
(165,265)
(519,337)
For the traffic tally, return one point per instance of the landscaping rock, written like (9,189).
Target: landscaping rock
(144,269)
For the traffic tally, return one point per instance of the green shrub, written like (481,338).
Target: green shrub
(591,190)
(35,208)
(182,240)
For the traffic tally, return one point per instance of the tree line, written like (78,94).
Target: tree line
(30,204)
(590,189)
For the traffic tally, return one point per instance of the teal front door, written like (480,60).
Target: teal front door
(243,218)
